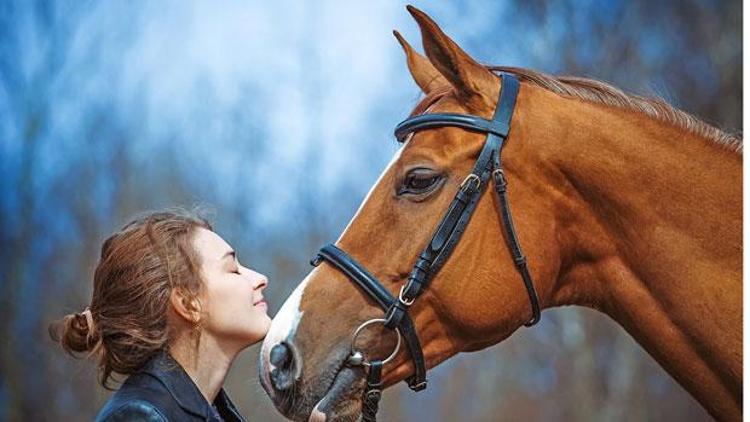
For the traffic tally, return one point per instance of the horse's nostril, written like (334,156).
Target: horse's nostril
(285,370)
(281,355)
(281,379)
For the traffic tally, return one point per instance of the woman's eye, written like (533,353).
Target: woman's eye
(420,181)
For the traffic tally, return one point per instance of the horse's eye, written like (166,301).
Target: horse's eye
(420,181)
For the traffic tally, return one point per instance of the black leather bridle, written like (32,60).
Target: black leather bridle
(443,241)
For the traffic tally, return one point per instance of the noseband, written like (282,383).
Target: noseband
(443,241)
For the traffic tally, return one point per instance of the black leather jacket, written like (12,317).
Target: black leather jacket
(163,391)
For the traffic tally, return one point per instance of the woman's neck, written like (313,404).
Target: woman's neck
(207,364)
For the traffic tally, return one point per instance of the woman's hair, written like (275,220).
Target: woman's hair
(126,323)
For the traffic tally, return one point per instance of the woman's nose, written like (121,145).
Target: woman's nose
(261,282)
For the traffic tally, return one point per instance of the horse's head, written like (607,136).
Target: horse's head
(475,300)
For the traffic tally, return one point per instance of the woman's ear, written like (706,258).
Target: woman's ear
(185,305)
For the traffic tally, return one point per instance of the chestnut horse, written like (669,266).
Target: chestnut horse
(623,204)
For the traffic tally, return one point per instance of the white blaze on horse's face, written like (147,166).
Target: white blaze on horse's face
(286,320)
(283,327)
(393,161)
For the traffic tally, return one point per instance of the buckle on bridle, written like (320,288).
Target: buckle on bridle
(498,175)
(419,387)
(468,179)
(401,297)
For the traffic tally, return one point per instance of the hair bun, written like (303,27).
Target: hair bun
(75,332)
(89,322)
(128,320)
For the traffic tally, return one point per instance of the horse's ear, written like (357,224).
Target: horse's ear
(476,86)
(423,72)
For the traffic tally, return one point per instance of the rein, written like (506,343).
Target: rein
(444,240)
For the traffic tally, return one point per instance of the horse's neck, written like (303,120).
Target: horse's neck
(652,237)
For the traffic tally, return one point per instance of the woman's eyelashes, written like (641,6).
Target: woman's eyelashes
(235,268)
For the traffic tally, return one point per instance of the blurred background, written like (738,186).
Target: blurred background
(278,116)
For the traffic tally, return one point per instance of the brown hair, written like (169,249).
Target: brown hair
(126,323)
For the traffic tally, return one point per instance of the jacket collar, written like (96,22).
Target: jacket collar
(184,391)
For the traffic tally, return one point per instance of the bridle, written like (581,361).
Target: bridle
(443,241)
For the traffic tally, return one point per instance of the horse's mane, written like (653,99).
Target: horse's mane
(598,92)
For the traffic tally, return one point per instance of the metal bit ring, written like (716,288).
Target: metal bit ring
(357,358)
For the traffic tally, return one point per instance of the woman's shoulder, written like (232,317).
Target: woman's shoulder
(139,410)
(163,391)
(141,397)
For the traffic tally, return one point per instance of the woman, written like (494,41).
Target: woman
(171,309)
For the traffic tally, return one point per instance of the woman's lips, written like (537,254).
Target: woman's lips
(262,303)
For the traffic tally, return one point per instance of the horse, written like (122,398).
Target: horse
(624,204)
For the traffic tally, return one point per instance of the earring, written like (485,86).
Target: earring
(197,326)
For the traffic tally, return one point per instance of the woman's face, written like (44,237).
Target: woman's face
(234,311)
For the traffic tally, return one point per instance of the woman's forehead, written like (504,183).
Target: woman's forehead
(209,244)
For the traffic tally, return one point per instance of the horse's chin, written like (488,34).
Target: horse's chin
(342,401)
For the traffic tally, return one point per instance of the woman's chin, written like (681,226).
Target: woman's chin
(256,329)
